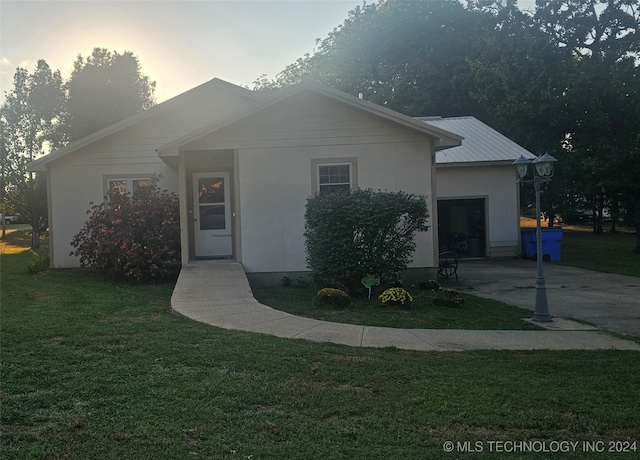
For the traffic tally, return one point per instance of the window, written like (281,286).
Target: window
(126,185)
(334,177)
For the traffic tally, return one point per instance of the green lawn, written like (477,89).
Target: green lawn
(605,252)
(93,369)
(474,313)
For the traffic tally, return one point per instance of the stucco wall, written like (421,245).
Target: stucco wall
(496,183)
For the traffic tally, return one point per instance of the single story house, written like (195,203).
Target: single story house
(243,165)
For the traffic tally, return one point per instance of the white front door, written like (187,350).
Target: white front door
(212,214)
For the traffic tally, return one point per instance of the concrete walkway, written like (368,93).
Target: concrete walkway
(216,292)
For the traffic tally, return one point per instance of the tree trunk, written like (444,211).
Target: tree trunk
(636,218)
(35,228)
(35,238)
(615,212)
(599,211)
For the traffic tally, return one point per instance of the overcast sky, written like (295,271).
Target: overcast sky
(180,44)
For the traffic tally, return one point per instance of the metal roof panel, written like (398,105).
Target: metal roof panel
(481,142)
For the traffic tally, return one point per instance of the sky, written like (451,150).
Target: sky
(180,44)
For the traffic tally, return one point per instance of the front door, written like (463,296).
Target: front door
(212,214)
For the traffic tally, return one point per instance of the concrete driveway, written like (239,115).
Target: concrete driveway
(610,302)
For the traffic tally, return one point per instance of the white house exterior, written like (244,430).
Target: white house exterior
(478,195)
(244,165)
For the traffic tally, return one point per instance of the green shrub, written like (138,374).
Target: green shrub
(131,238)
(448,297)
(431,285)
(395,296)
(350,234)
(332,297)
(39,262)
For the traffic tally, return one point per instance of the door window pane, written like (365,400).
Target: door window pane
(212,217)
(211,190)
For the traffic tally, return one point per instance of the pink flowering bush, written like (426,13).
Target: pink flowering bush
(133,238)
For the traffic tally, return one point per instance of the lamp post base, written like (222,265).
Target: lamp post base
(542,319)
(541,312)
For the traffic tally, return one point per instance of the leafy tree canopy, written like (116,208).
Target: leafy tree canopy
(30,119)
(598,28)
(104,88)
(42,113)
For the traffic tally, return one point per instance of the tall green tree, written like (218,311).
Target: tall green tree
(597,28)
(30,120)
(603,97)
(410,56)
(520,73)
(104,88)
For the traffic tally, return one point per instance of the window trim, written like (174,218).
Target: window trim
(315,171)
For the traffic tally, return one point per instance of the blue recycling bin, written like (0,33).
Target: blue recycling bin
(551,242)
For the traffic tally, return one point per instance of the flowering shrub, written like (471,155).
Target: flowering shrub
(333,297)
(449,297)
(395,295)
(134,239)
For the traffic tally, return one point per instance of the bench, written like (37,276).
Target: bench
(448,264)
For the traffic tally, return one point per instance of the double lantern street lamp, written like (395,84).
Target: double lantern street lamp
(543,172)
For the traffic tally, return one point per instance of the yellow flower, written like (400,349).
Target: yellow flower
(395,295)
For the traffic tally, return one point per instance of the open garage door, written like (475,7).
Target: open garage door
(462,226)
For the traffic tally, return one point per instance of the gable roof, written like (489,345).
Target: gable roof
(443,138)
(482,144)
(41,163)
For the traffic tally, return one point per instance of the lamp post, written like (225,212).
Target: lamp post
(543,172)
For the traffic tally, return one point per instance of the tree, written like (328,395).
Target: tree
(30,120)
(410,56)
(592,28)
(603,97)
(104,88)
(520,72)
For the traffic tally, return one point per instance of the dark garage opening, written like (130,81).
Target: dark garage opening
(462,226)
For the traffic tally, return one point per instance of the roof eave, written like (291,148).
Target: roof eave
(473,164)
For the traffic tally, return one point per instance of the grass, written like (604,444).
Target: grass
(474,313)
(605,252)
(95,369)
